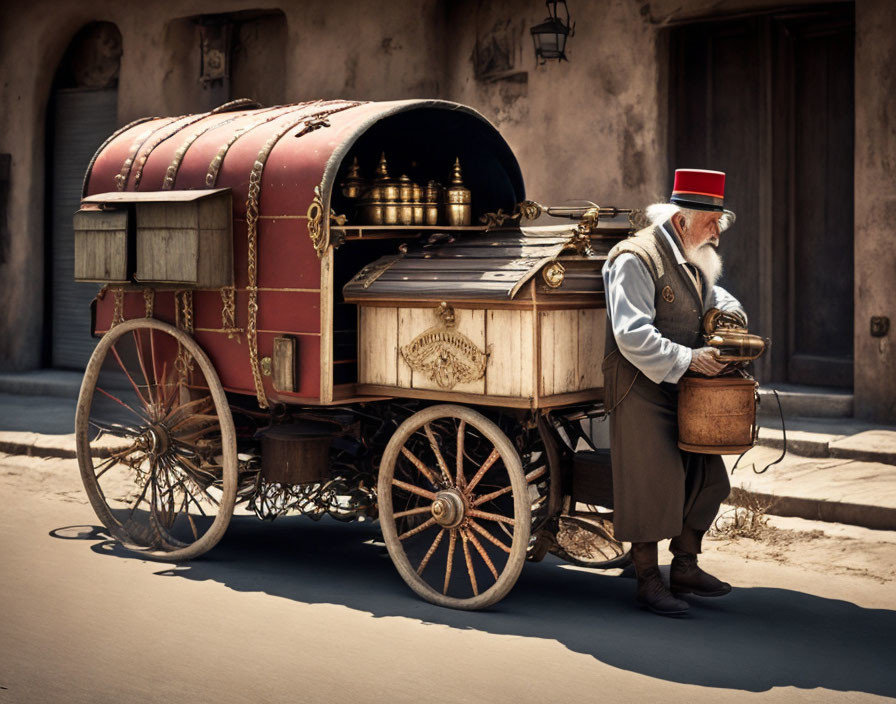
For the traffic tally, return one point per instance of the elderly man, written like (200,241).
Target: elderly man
(658,284)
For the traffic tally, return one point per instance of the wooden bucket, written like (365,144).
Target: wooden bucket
(716,416)
(295,454)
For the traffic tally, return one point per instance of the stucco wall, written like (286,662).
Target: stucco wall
(588,128)
(875,208)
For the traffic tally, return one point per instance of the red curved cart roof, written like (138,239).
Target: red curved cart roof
(307,143)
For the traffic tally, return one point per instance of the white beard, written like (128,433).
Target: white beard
(707,260)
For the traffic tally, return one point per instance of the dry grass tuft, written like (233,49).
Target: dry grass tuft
(747,521)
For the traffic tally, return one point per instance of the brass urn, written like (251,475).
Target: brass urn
(418,205)
(353,185)
(406,196)
(431,196)
(381,205)
(458,207)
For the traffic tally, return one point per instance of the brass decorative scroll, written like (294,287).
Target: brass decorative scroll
(526,210)
(444,355)
(316,229)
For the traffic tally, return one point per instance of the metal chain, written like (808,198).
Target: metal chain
(312,121)
(183,318)
(149,297)
(117,308)
(228,313)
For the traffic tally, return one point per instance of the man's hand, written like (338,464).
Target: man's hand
(703,361)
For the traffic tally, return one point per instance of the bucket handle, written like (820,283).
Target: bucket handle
(756,435)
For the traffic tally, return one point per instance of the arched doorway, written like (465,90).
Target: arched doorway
(82,112)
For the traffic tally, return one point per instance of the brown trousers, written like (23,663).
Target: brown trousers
(657,488)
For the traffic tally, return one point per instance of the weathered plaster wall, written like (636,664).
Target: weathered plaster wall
(875,208)
(589,128)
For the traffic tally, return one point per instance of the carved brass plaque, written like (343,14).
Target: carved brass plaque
(445,356)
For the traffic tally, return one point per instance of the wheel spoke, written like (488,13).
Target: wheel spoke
(461,479)
(530,477)
(429,553)
(139,499)
(493,457)
(488,536)
(150,385)
(419,529)
(482,553)
(130,378)
(116,429)
(412,512)
(491,517)
(112,460)
(464,541)
(122,403)
(418,463)
(414,489)
(452,541)
(438,453)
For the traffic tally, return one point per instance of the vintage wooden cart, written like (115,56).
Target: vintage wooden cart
(264,349)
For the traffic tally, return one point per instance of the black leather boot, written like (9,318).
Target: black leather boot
(652,592)
(685,575)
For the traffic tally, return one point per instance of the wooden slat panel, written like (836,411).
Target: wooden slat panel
(546,372)
(592,328)
(101,246)
(189,242)
(167,254)
(411,322)
(510,341)
(566,346)
(559,351)
(378,345)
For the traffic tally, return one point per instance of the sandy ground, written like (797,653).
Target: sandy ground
(315,612)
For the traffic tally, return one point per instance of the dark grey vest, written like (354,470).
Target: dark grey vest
(679,309)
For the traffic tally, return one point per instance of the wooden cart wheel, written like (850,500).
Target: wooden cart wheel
(156,442)
(454,507)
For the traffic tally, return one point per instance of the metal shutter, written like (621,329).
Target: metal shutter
(82,120)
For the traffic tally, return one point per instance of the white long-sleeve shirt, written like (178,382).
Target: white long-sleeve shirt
(630,308)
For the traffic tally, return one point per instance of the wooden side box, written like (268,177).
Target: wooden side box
(101,246)
(515,356)
(186,241)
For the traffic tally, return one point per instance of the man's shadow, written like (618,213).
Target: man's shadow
(754,639)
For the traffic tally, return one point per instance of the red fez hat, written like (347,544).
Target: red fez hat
(699,189)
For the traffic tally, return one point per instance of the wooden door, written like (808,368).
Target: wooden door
(768,99)
(816,58)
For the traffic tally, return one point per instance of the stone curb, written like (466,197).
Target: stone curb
(876,517)
(37,445)
(869,446)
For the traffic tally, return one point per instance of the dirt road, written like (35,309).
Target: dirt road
(314,612)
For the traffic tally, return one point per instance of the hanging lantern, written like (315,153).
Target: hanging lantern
(550,36)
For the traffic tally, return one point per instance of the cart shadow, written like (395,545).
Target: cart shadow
(753,640)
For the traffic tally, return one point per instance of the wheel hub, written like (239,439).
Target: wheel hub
(448,508)
(156,440)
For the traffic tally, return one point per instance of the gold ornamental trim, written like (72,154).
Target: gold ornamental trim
(553,274)
(316,231)
(445,356)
